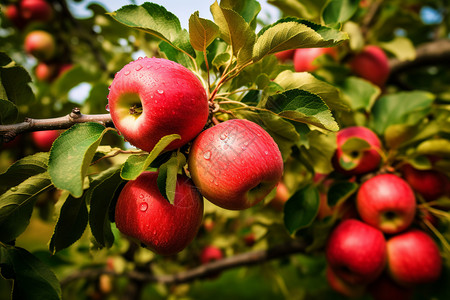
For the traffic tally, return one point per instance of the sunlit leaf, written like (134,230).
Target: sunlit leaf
(301,209)
(360,93)
(202,32)
(8,111)
(167,176)
(339,11)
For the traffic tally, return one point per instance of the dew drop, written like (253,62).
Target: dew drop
(138,67)
(14,189)
(223,136)
(107,107)
(216,183)
(143,206)
(140,57)
(266,152)
(207,155)
(160,92)
(127,72)
(141,196)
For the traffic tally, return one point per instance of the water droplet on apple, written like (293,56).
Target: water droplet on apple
(143,206)
(223,136)
(138,67)
(160,92)
(107,107)
(207,155)
(127,72)
(216,183)
(141,196)
(266,152)
(14,189)
(140,57)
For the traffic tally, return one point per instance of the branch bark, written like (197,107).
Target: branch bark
(202,271)
(9,132)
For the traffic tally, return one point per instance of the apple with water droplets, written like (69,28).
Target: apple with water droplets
(154,97)
(142,213)
(356,252)
(387,202)
(235,164)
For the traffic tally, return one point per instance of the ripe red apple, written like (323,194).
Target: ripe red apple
(430,184)
(413,258)
(356,251)
(40,44)
(36,10)
(235,164)
(371,64)
(387,202)
(210,253)
(12,13)
(44,139)
(285,55)
(384,288)
(144,214)
(154,97)
(358,161)
(342,287)
(304,58)
(45,71)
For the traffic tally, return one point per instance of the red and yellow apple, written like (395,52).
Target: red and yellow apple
(304,58)
(40,44)
(235,164)
(144,214)
(154,97)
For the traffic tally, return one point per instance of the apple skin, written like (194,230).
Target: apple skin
(430,184)
(367,160)
(281,196)
(172,98)
(210,253)
(304,58)
(44,139)
(342,287)
(45,72)
(413,258)
(144,214)
(235,164)
(36,10)
(371,64)
(40,44)
(356,252)
(285,55)
(387,202)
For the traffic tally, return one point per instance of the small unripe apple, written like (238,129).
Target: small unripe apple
(342,287)
(387,202)
(371,64)
(154,97)
(144,214)
(285,55)
(40,44)
(413,258)
(430,184)
(358,161)
(44,139)
(235,164)
(304,58)
(210,253)
(36,10)
(356,251)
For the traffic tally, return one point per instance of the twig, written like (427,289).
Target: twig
(11,131)
(202,271)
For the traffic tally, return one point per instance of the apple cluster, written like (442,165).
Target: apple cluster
(233,164)
(378,249)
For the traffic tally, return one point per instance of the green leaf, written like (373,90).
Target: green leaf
(302,106)
(16,205)
(340,191)
(32,278)
(293,33)
(439,147)
(305,81)
(72,222)
(401,47)
(360,93)
(8,112)
(248,9)
(136,164)
(71,154)
(320,150)
(235,32)
(301,209)
(306,9)
(23,169)
(15,81)
(71,78)
(167,176)
(157,21)
(400,108)
(202,32)
(339,11)
(100,198)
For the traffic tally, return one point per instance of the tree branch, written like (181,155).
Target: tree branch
(202,271)
(9,132)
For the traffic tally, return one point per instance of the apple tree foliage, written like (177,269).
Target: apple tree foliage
(64,199)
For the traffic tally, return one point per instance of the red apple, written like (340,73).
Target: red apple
(36,10)
(413,258)
(45,72)
(285,55)
(387,202)
(235,164)
(281,196)
(356,251)
(144,214)
(210,253)
(371,64)
(304,58)
(40,44)
(430,184)
(154,97)
(12,13)
(358,161)
(342,287)
(384,288)
(44,139)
